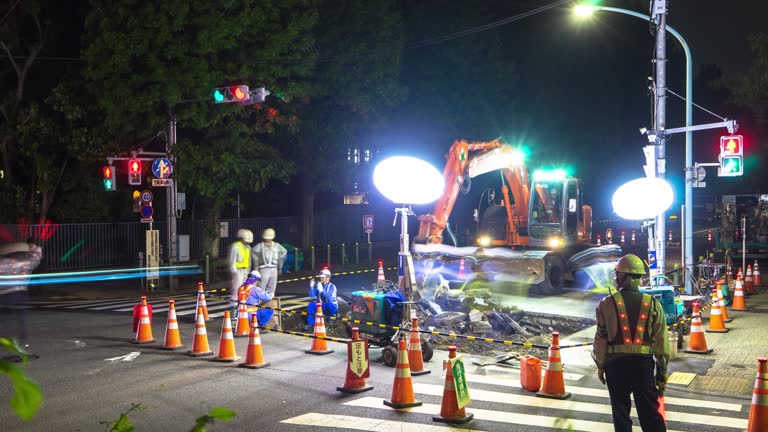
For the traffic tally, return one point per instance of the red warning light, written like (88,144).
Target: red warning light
(107,172)
(239,93)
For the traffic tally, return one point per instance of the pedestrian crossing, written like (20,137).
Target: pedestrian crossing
(500,404)
(184,307)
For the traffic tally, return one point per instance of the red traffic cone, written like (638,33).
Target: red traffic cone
(738,298)
(242,329)
(144,331)
(254,356)
(319,344)
(716,321)
(226,342)
(697,343)
(554,384)
(380,277)
(756,275)
(415,358)
(201,302)
(402,389)
(357,365)
(200,346)
(758,413)
(449,408)
(172,335)
(749,283)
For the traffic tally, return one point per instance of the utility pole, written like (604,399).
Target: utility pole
(659,15)
(170,194)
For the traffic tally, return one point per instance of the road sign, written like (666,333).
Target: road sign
(147,220)
(162,182)
(358,358)
(368,223)
(146,196)
(460,382)
(146,211)
(162,168)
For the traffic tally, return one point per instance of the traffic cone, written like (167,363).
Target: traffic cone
(461,269)
(739,274)
(226,342)
(716,321)
(144,331)
(319,344)
(200,342)
(554,384)
(697,343)
(242,329)
(415,359)
(721,303)
(172,335)
(201,302)
(449,408)
(354,382)
(738,298)
(756,275)
(402,389)
(749,283)
(380,277)
(662,408)
(254,356)
(758,413)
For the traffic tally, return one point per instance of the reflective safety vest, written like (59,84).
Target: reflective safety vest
(632,341)
(244,255)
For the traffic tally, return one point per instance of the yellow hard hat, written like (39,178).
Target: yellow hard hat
(631,264)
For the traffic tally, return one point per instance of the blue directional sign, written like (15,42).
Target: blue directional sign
(162,168)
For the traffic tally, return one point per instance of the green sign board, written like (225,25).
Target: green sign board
(460,382)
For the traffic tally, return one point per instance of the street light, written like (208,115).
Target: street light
(586,10)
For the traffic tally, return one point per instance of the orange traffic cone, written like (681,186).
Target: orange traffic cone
(739,275)
(716,321)
(319,344)
(357,365)
(756,275)
(254,356)
(226,342)
(242,329)
(449,408)
(402,389)
(554,384)
(749,283)
(380,277)
(462,275)
(172,335)
(758,413)
(144,331)
(662,408)
(738,298)
(721,303)
(200,342)
(697,343)
(201,302)
(415,359)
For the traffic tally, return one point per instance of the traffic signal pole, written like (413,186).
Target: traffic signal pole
(659,12)
(170,205)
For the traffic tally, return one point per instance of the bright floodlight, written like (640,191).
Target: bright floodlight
(584,10)
(643,198)
(408,180)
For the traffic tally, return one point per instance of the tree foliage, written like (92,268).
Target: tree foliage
(751,89)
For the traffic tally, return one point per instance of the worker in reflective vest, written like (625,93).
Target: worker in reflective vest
(239,265)
(631,333)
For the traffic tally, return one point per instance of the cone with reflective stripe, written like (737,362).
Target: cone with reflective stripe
(172,335)
(462,275)
(415,359)
(554,384)
(226,342)
(697,342)
(756,275)
(716,321)
(354,382)
(201,302)
(449,408)
(319,344)
(254,356)
(380,277)
(242,329)
(738,298)
(758,413)
(739,275)
(749,283)
(402,389)
(721,303)
(144,330)
(200,342)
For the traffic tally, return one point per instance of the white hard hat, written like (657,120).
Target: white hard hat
(256,274)
(268,234)
(245,234)
(324,273)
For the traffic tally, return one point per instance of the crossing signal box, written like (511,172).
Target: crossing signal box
(230,94)
(731,156)
(134,172)
(109,178)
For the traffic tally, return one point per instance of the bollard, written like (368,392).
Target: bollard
(343,254)
(328,256)
(207,269)
(357,253)
(312,252)
(296,259)
(676,275)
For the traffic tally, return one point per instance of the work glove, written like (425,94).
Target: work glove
(661,386)
(601,375)
(320,288)
(312,283)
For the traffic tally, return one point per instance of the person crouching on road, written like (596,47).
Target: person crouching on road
(239,265)
(631,332)
(255,296)
(325,293)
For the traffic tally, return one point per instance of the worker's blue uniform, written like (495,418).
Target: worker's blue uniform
(327,296)
(255,298)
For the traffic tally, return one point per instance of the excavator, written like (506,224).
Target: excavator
(538,234)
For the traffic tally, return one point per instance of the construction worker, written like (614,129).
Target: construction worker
(323,292)
(255,296)
(268,258)
(17,260)
(631,332)
(239,265)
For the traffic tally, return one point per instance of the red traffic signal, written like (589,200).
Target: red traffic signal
(731,156)
(134,172)
(134,166)
(731,144)
(109,178)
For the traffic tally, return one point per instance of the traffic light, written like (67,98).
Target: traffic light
(109,178)
(731,156)
(134,172)
(236,93)
(257,96)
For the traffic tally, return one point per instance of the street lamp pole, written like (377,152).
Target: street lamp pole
(688,211)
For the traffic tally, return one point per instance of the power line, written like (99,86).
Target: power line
(13,6)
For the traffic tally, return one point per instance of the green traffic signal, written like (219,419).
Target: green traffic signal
(218,96)
(731,166)
(107,184)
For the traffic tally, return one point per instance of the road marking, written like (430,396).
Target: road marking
(513,370)
(596,408)
(127,357)
(128,303)
(97,303)
(499,416)
(366,424)
(586,391)
(162,308)
(210,308)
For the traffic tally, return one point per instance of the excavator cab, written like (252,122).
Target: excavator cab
(557,218)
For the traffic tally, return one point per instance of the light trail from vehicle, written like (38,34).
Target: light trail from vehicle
(98,275)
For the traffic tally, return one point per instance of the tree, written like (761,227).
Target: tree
(146,59)
(751,89)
